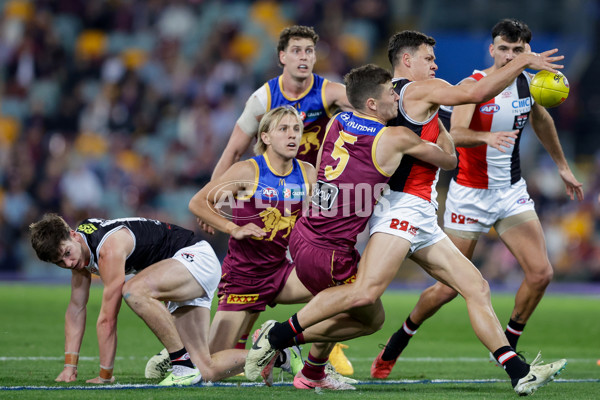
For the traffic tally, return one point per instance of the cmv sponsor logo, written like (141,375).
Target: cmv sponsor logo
(489,108)
(522,103)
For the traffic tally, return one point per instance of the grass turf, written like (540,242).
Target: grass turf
(444,360)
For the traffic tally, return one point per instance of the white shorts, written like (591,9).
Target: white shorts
(409,217)
(202,262)
(477,210)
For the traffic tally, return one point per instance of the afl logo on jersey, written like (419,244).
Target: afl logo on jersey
(269,192)
(489,108)
(523,200)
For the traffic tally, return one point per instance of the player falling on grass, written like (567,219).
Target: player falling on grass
(359,154)
(488,190)
(315,98)
(170,264)
(409,225)
(269,192)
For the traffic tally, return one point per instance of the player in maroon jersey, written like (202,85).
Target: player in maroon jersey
(488,189)
(270,191)
(314,97)
(358,156)
(409,225)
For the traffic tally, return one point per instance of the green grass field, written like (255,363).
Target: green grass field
(444,361)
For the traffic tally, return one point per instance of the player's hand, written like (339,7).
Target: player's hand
(543,61)
(99,381)
(69,374)
(247,231)
(501,139)
(205,227)
(573,186)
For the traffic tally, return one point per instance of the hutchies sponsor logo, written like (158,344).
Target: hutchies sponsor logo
(269,192)
(489,108)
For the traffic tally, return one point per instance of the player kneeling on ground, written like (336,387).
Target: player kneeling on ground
(171,264)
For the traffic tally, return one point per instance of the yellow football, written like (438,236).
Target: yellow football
(549,89)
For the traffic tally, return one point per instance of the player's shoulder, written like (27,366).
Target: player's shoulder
(427,84)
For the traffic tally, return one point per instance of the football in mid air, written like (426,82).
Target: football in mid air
(549,89)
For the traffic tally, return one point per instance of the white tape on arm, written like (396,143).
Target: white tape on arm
(256,107)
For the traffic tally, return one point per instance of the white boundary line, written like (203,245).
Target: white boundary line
(252,384)
(357,359)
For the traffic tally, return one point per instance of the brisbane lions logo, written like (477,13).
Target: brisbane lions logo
(275,222)
(309,139)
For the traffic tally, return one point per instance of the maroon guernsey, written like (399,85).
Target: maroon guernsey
(349,182)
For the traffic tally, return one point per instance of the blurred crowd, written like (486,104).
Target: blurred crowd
(121,108)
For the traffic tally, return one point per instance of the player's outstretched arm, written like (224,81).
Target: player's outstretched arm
(239,180)
(544,128)
(465,137)
(399,140)
(75,317)
(438,91)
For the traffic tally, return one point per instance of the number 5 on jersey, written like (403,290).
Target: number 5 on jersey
(341,154)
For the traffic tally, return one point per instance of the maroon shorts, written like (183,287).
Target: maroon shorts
(243,292)
(318,267)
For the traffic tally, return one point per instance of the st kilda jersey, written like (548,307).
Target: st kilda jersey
(484,167)
(414,176)
(153,240)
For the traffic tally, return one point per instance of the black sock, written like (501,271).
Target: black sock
(181,357)
(399,340)
(513,332)
(282,333)
(513,365)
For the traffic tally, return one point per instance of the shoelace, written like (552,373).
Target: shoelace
(538,360)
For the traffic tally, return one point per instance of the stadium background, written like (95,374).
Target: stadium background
(122,108)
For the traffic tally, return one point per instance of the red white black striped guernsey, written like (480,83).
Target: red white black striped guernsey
(414,176)
(484,167)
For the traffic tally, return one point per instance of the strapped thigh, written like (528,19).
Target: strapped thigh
(505,224)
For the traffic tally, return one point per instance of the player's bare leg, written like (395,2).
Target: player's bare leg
(147,290)
(379,264)
(526,242)
(438,294)
(447,264)
(227,327)
(193,324)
